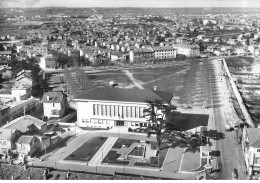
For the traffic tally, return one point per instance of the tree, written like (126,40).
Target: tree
(62,59)
(39,81)
(161,117)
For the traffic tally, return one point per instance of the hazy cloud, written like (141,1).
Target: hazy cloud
(19,3)
(130,3)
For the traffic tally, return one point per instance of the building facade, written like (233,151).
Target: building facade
(188,50)
(251,148)
(112,107)
(164,52)
(54,104)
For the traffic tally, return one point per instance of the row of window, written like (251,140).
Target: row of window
(141,124)
(118,111)
(171,51)
(109,122)
(96,121)
(165,54)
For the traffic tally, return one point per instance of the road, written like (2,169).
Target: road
(206,86)
(231,151)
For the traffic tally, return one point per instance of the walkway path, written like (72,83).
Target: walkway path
(137,83)
(102,152)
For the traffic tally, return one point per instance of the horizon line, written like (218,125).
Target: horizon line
(126,7)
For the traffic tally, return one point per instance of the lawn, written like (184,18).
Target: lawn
(112,156)
(126,142)
(189,121)
(146,75)
(239,61)
(87,150)
(191,161)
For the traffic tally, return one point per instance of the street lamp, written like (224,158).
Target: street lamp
(159,173)
(124,164)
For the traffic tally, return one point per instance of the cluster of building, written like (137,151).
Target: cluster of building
(135,38)
(126,39)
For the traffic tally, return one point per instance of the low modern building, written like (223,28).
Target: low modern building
(111,107)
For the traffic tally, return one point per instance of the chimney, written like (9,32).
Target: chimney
(154,88)
(48,98)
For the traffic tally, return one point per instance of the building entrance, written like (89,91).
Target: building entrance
(120,123)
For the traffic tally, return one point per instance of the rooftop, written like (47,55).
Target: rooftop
(23,123)
(253,136)
(54,97)
(6,133)
(24,139)
(126,95)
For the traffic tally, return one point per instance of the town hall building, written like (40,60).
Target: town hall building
(111,107)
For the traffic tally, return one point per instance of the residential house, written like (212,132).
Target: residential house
(54,104)
(7,141)
(5,72)
(4,114)
(48,62)
(7,54)
(89,54)
(251,148)
(113,107)
(118,56)
(23,78)
(232,41)
(28,125)
(28,145)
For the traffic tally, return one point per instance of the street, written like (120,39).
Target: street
(231,152)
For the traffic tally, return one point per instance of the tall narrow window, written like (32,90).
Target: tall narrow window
(119,111)
(133,111)
(124,111)
(108,111)
(137,112)
(128,112)
(103,110)
(112,109)
(98,109)
(116,111)
(141,112)
(94,109)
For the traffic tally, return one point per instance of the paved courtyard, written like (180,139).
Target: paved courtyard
(170,168)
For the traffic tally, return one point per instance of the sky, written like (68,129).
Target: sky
(129,3)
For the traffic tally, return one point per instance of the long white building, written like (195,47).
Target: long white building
(110,107)
(164,52)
